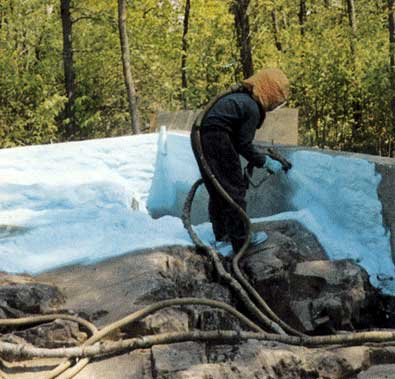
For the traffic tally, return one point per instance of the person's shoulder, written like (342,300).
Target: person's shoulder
(246,102)
(235,100)
(240,103)
(242,98)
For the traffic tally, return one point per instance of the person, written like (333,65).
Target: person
(227,131)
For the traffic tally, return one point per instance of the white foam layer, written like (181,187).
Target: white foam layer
(74,200)
(175,172)
(335,197)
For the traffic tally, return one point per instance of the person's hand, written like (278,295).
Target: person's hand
(272,165)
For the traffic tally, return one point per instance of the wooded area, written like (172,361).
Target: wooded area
(76,70)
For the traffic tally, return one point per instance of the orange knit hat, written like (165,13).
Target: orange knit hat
(270,87)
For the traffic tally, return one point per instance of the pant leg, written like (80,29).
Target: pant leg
(216,206)
(217,219)
(225,164)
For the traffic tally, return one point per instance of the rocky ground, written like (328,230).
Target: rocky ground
(290,271)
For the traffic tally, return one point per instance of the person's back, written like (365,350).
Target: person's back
(229,110)
(239,115)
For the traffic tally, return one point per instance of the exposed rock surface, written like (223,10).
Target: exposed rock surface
(21,296)
(379,372)
(306,243)
(315,294)
(251,359)
(329,294)
(110,290)
(59,333)
(304,288)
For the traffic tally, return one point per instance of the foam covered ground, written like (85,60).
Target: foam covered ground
(335,197)
(72,203)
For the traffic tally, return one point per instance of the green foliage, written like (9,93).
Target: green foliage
(344,94)
(30,97)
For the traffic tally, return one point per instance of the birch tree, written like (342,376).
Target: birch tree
(302,16)
(127,71)
(184,80)
(391,32)
(68,66)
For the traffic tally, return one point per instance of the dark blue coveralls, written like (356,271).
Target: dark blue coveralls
(227,131)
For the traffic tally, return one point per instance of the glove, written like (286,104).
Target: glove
(272,165)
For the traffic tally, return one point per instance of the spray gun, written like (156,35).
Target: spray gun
(272,153)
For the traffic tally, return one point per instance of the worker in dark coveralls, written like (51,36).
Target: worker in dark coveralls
(227,131)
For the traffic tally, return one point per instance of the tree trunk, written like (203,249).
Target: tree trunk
(356,104)
(68,66)
(127,72)
(302,16)
(353,23)
(391,30)
(2,18)
(276,31)
(285,18)
(239,9)
(184,81)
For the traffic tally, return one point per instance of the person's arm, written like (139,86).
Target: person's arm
(250,121)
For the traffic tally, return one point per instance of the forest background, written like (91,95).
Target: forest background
(72,70)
